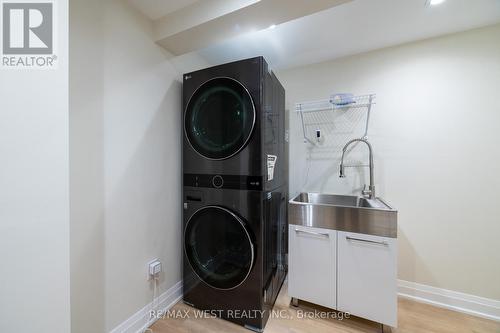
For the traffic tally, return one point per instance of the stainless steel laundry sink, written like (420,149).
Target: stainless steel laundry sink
(344,213)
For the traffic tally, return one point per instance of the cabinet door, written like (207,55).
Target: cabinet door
(367,283)
(312,264)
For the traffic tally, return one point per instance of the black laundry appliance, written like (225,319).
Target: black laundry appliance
(234,191)
(234,126)
(234,252)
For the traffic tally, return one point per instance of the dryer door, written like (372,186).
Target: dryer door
(218,247)
(219,118)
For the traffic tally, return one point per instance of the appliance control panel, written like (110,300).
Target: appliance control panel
(224,181)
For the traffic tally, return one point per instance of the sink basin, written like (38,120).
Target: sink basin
(341,200)
(344,213)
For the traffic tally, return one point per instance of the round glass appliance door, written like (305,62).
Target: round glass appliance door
(219,118)
(218,247)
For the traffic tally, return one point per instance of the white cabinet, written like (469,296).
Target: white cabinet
(349,272)
(312,265)
(366,272)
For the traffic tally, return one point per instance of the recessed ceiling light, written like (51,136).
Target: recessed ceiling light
(436,2)
(272,26)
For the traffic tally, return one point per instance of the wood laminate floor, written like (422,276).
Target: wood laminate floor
(413,318)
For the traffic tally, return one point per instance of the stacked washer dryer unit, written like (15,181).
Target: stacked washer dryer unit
(235,191)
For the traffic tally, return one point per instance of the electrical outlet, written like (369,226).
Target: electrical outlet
(154,268)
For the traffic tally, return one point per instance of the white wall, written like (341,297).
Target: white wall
(125,117)
(34,211)
(435,135)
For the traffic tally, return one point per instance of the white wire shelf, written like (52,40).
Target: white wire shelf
(356,102)
(360,101)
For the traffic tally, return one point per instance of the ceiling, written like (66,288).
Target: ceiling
(355,27)
(351,28)
(215,21)
(155,9)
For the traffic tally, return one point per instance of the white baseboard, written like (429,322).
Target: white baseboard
(141,320)
(452,300)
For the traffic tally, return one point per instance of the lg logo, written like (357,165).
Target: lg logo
(27,28)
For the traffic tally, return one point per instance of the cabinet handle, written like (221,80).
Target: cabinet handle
(366,241)
(312,233)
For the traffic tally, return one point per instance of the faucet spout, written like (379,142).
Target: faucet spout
(371,188)
(342,173)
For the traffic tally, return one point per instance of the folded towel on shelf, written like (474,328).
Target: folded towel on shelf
(342,99)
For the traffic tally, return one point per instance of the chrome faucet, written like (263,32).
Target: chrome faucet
(370,193)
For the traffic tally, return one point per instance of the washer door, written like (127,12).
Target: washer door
(218,247)
(219,118)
